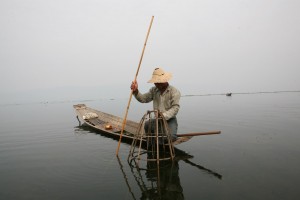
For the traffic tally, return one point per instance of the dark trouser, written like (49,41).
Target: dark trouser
(172,124)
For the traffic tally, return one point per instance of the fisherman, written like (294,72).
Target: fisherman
(164,96)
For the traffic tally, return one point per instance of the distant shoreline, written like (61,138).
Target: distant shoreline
(112,99)
(237,93)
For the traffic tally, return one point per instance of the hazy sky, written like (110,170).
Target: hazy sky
(210,46)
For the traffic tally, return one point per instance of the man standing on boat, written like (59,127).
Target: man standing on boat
(164,96)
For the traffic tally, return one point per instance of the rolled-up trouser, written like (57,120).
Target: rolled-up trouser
(172,124)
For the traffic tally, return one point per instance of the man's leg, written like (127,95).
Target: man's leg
(173,126)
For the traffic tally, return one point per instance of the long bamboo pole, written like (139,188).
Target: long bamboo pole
(130,97)
(201,133)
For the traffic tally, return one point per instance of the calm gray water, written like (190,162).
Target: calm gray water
(45,155)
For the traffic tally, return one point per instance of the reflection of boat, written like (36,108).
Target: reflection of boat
(112,125)
(156,181)
(180,154)
(159,181)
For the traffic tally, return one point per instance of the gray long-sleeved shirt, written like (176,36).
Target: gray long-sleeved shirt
(167,103)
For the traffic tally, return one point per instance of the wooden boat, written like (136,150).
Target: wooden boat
(112,125)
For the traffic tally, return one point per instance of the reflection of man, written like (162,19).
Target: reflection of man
(164,96)
(167,178)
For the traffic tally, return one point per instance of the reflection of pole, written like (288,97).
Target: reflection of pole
(125,177)
(158,181)
(219,176)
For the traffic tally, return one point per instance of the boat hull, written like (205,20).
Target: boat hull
(110,124)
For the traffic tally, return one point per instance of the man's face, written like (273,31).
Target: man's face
(160,86)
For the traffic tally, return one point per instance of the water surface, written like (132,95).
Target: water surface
(45,155)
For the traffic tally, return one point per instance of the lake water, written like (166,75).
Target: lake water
(45,155)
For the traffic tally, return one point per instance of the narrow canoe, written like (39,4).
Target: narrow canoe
(111,124)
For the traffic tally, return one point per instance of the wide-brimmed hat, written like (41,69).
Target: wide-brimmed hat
(160,76)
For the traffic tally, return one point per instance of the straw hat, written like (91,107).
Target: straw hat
(160,76)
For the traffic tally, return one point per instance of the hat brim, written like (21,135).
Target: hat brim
(160,79)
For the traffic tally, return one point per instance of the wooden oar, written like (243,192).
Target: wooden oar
(197,134)
(137,72)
